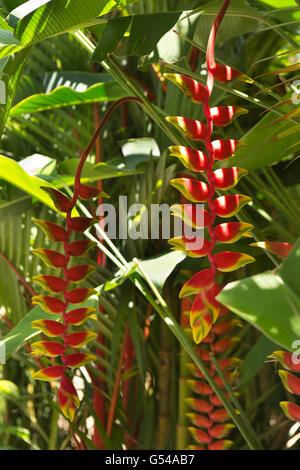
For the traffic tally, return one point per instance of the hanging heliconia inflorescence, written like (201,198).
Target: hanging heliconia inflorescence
(291,366)
(210,422)
(66,296)
(203,285)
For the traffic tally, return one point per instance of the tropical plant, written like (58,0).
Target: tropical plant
(182,341)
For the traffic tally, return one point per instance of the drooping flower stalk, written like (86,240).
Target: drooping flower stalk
(209,320)
(209,426)
(62,285)
(205,308)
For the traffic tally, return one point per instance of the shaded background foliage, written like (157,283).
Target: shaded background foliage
(56,94)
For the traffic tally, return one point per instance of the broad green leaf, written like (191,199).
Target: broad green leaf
(262,149)
(114,168)
(255,359)
(270,301)
(14,174)
(159,268)
(11,74)
(57,16)
(151,36)
(33,21)
(240,18)
(23,331)
(65,96)
(263,301)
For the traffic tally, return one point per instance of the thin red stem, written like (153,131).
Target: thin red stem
(25,284)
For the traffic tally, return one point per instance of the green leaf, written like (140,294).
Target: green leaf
(151,36)
(23,331)
(115,167)
(18,431)
(240,18)
(261,149)
(11,74)
(9,389)
(255,359)
(270,301)
(66,96)
(159,268)
(14,174)
(57,16)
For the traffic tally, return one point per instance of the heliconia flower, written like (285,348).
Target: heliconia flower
(193,190)
(230,232)
(226,178)
(200,282)
(230,377)
(47,348)
(225,148)
(79,359)
(221,430)
(281,249)
(192,159)
(79,315)
(209,300)
(208,339)
(291,410)
(49,373)
(80,272)
(197,310)
(53,231)
(192,88)
(67,405)
(202,327)
(80,224)
(290,381)
(79,295)
(200,436)
(191,214)
(190,128)
(203,354)
(225,343)
(226,206)
(49,304)
(60,200)
(200,387)
(222,444)
(52,258)
(286,360)
(200,405)
(68,390)
(215,400)
(52,284)
(79,338)
(224,74)
(224,115)
(49,327)
(231,260)
(195,247)
(228,363)
(199,420)
(222,327)
(80,247)
(219,415)
(196,372)
(196,448)
(88,192)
